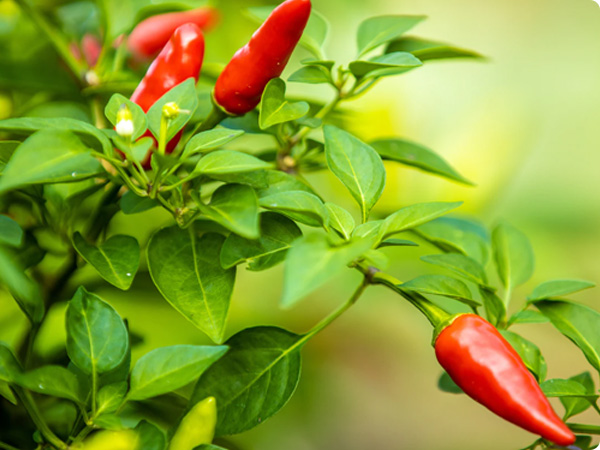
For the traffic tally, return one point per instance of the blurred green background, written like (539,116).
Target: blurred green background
(524,126)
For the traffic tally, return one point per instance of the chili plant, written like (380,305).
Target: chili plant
(165,142)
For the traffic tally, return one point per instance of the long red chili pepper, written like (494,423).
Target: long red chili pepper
(242,82)
(179,60)
(485,366)
(151,35)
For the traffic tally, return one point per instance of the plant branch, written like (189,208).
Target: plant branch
(583,428)
(5,446)
(33,411)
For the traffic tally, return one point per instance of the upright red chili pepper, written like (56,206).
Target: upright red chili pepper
(179,60)
(151,35)
(485,366)
(242,82)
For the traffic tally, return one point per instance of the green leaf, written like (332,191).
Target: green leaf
(187,272)
(495,308)
(441,285)
(340,220)
(397,243)
(276,236)
(11,232)
(140,123)
(254,380)
(89,134)
(150,436)
(356,165)
(384,65)
(278,181)
(415,155)
(7,393)
(49,156)
(97,340)
(10,368)
(311,75)
(574,406)
(117,259)
(210,140)
(235,206)
(414,215)
(451,234)
(167,369)
(184,95)
(527,317)
(567,389)
(558,288)
(275,109)
(460,264)
(378,30)
(312,261)
(110,397)
(132,204)
(577,322)
(427,50)
(7,148)
(299,206)
(446,384)
(53,380)
(513,255)
(529,353)
(26,292)
(228,161)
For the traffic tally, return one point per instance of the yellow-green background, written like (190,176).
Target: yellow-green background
(524,126)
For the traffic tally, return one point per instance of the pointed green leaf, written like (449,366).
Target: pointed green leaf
(228,161)
(574,406)
(49,156)
(150,436)
(414,215)
(446,384)
(117,259)
(427,50)
(527,316)
(10,369)
(254,380)
(397,243)
(529,353)
(415,155)
(210,140)
(441,285)
(356,165)
(340,220)
(97,340)
(558,288)
(187,272)
(384,65)
(378,30)
(110,397)
(132,204)
(495,308)
(53,380)
(7,393)
(276,235)
(310,75)
(184,95)
(167,369)
(577,322)
(275,109)
(235,206)
(460,264)
(11,232)
(300,206)
(513,255)
(312,261)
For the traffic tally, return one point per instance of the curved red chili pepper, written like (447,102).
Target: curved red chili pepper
(91,48)
(242,82)
(151,34)
(485,366)
(179,60)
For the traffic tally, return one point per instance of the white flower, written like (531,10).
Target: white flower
(125,128)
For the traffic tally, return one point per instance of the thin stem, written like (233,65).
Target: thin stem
(582,428)
(82,435)
(33,411)
(94,391)
(434,313)
(5,446)
(35,328)
(55,37)
(324,112)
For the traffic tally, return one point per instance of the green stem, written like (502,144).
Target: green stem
(7,446)
(33,411)
(434,313)
(55,37)
(94,391)
(337,313)
(82,435)
(585,429)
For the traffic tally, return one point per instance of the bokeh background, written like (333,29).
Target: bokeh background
(524,125)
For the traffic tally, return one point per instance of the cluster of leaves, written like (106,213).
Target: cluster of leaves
(233,203)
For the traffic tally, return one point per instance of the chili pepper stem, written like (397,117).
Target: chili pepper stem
(33,411)
(436,315)
(583,428)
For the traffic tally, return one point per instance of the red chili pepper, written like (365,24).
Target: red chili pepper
(91,47)
(151,35)
(242,82)
(179,60)
(485,366)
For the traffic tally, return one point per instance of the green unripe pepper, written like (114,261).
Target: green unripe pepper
(197,427)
